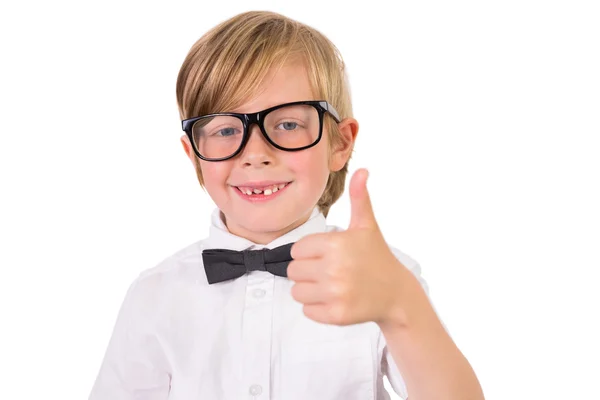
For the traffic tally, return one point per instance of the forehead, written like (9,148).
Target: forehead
(285,84)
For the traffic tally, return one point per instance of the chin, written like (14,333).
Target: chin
(265,222)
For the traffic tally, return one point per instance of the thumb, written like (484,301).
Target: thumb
(362,215)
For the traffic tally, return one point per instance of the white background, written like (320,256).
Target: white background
(479,122)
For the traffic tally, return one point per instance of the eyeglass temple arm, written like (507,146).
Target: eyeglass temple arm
(331,110)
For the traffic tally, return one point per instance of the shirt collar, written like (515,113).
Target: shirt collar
(220,237)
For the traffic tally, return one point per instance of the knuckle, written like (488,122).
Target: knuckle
(337,313)
(308,311)
(293,291)
(338,290)
(296,292)
(291,270)
(335,270)
(296,249)
(335,243)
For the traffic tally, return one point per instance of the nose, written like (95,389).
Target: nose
(257,152)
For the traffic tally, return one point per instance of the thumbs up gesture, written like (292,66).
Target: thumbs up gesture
(352,276)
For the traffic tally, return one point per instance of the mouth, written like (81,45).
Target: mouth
(257,192)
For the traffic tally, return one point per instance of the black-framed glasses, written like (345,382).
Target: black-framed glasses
(290,127)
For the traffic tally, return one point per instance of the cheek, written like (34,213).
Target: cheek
(311,166)
(214,174)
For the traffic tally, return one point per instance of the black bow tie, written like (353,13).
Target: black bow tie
(222,265)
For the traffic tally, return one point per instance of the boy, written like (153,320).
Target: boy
(275,304)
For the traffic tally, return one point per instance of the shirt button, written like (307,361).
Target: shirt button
(255,390)
(258,293)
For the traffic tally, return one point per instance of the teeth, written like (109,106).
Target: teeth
(267,191)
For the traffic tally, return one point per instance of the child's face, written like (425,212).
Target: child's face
(305,172)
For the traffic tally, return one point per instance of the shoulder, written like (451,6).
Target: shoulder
(180,263)
(156,284)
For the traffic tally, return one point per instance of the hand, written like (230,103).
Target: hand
(349,277)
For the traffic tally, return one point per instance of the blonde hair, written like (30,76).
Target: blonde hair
(226,66)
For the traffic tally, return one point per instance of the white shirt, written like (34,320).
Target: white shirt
(179,338)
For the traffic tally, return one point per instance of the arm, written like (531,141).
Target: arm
(430,363)
(134,366)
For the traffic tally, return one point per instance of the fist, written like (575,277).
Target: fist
(348,277)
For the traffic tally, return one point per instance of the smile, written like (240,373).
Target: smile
(265,192)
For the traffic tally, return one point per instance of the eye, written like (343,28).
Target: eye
(225,132)
(287,126)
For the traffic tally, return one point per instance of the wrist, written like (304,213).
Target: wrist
(410,307)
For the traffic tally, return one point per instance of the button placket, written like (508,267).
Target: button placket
(259,289)
(256,334)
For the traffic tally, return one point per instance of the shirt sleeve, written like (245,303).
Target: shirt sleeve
(388,366)
(390,370)
(134,366)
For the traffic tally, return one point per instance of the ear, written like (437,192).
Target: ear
(341,152)
(187,147)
